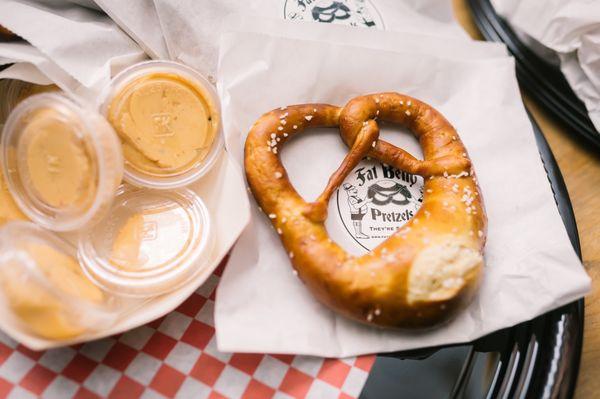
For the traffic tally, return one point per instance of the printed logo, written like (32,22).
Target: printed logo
(375,200)
(149,230)
(162,124)
(346,12)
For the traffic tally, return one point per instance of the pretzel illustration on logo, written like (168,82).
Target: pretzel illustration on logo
(425,272)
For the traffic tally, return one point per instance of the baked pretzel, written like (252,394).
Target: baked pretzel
(430,267)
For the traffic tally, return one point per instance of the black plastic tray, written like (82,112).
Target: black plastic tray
(543,81)
(535,359)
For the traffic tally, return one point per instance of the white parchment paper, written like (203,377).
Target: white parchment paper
(530,265)
(83,42)
(192,27)
(570,28)
(140,21)
(30,65)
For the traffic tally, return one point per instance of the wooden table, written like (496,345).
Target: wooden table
(580,166)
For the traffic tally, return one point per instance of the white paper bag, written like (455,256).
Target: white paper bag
(140,21)
(570,28)
(531,267)
(192,27)
(83,42)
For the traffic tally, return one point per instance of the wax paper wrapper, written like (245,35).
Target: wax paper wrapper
(571,29)
(531,266)
(192,27)
(81,41)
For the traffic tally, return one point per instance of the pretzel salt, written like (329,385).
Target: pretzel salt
(430,267)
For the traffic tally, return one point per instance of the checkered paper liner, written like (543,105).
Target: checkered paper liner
(175,356)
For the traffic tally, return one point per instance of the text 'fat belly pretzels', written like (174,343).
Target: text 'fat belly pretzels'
(430,267)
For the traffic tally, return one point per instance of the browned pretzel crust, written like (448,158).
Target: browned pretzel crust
(425,271)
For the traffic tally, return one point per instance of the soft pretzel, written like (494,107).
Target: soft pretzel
(430,267)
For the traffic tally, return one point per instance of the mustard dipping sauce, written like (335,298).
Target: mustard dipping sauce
(60,171)
(167,124)
(41,311)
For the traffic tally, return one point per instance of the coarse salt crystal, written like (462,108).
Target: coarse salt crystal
(308,117)
(272,216)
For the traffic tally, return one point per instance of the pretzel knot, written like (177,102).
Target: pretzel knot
(431,266)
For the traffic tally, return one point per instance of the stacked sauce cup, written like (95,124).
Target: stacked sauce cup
(168,118)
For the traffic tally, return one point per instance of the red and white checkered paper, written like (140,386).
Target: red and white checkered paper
(175,356)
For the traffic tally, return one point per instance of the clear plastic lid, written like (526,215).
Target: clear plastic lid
(12,91)
(62,162)
(43,290)
(152,242)
(168,117)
